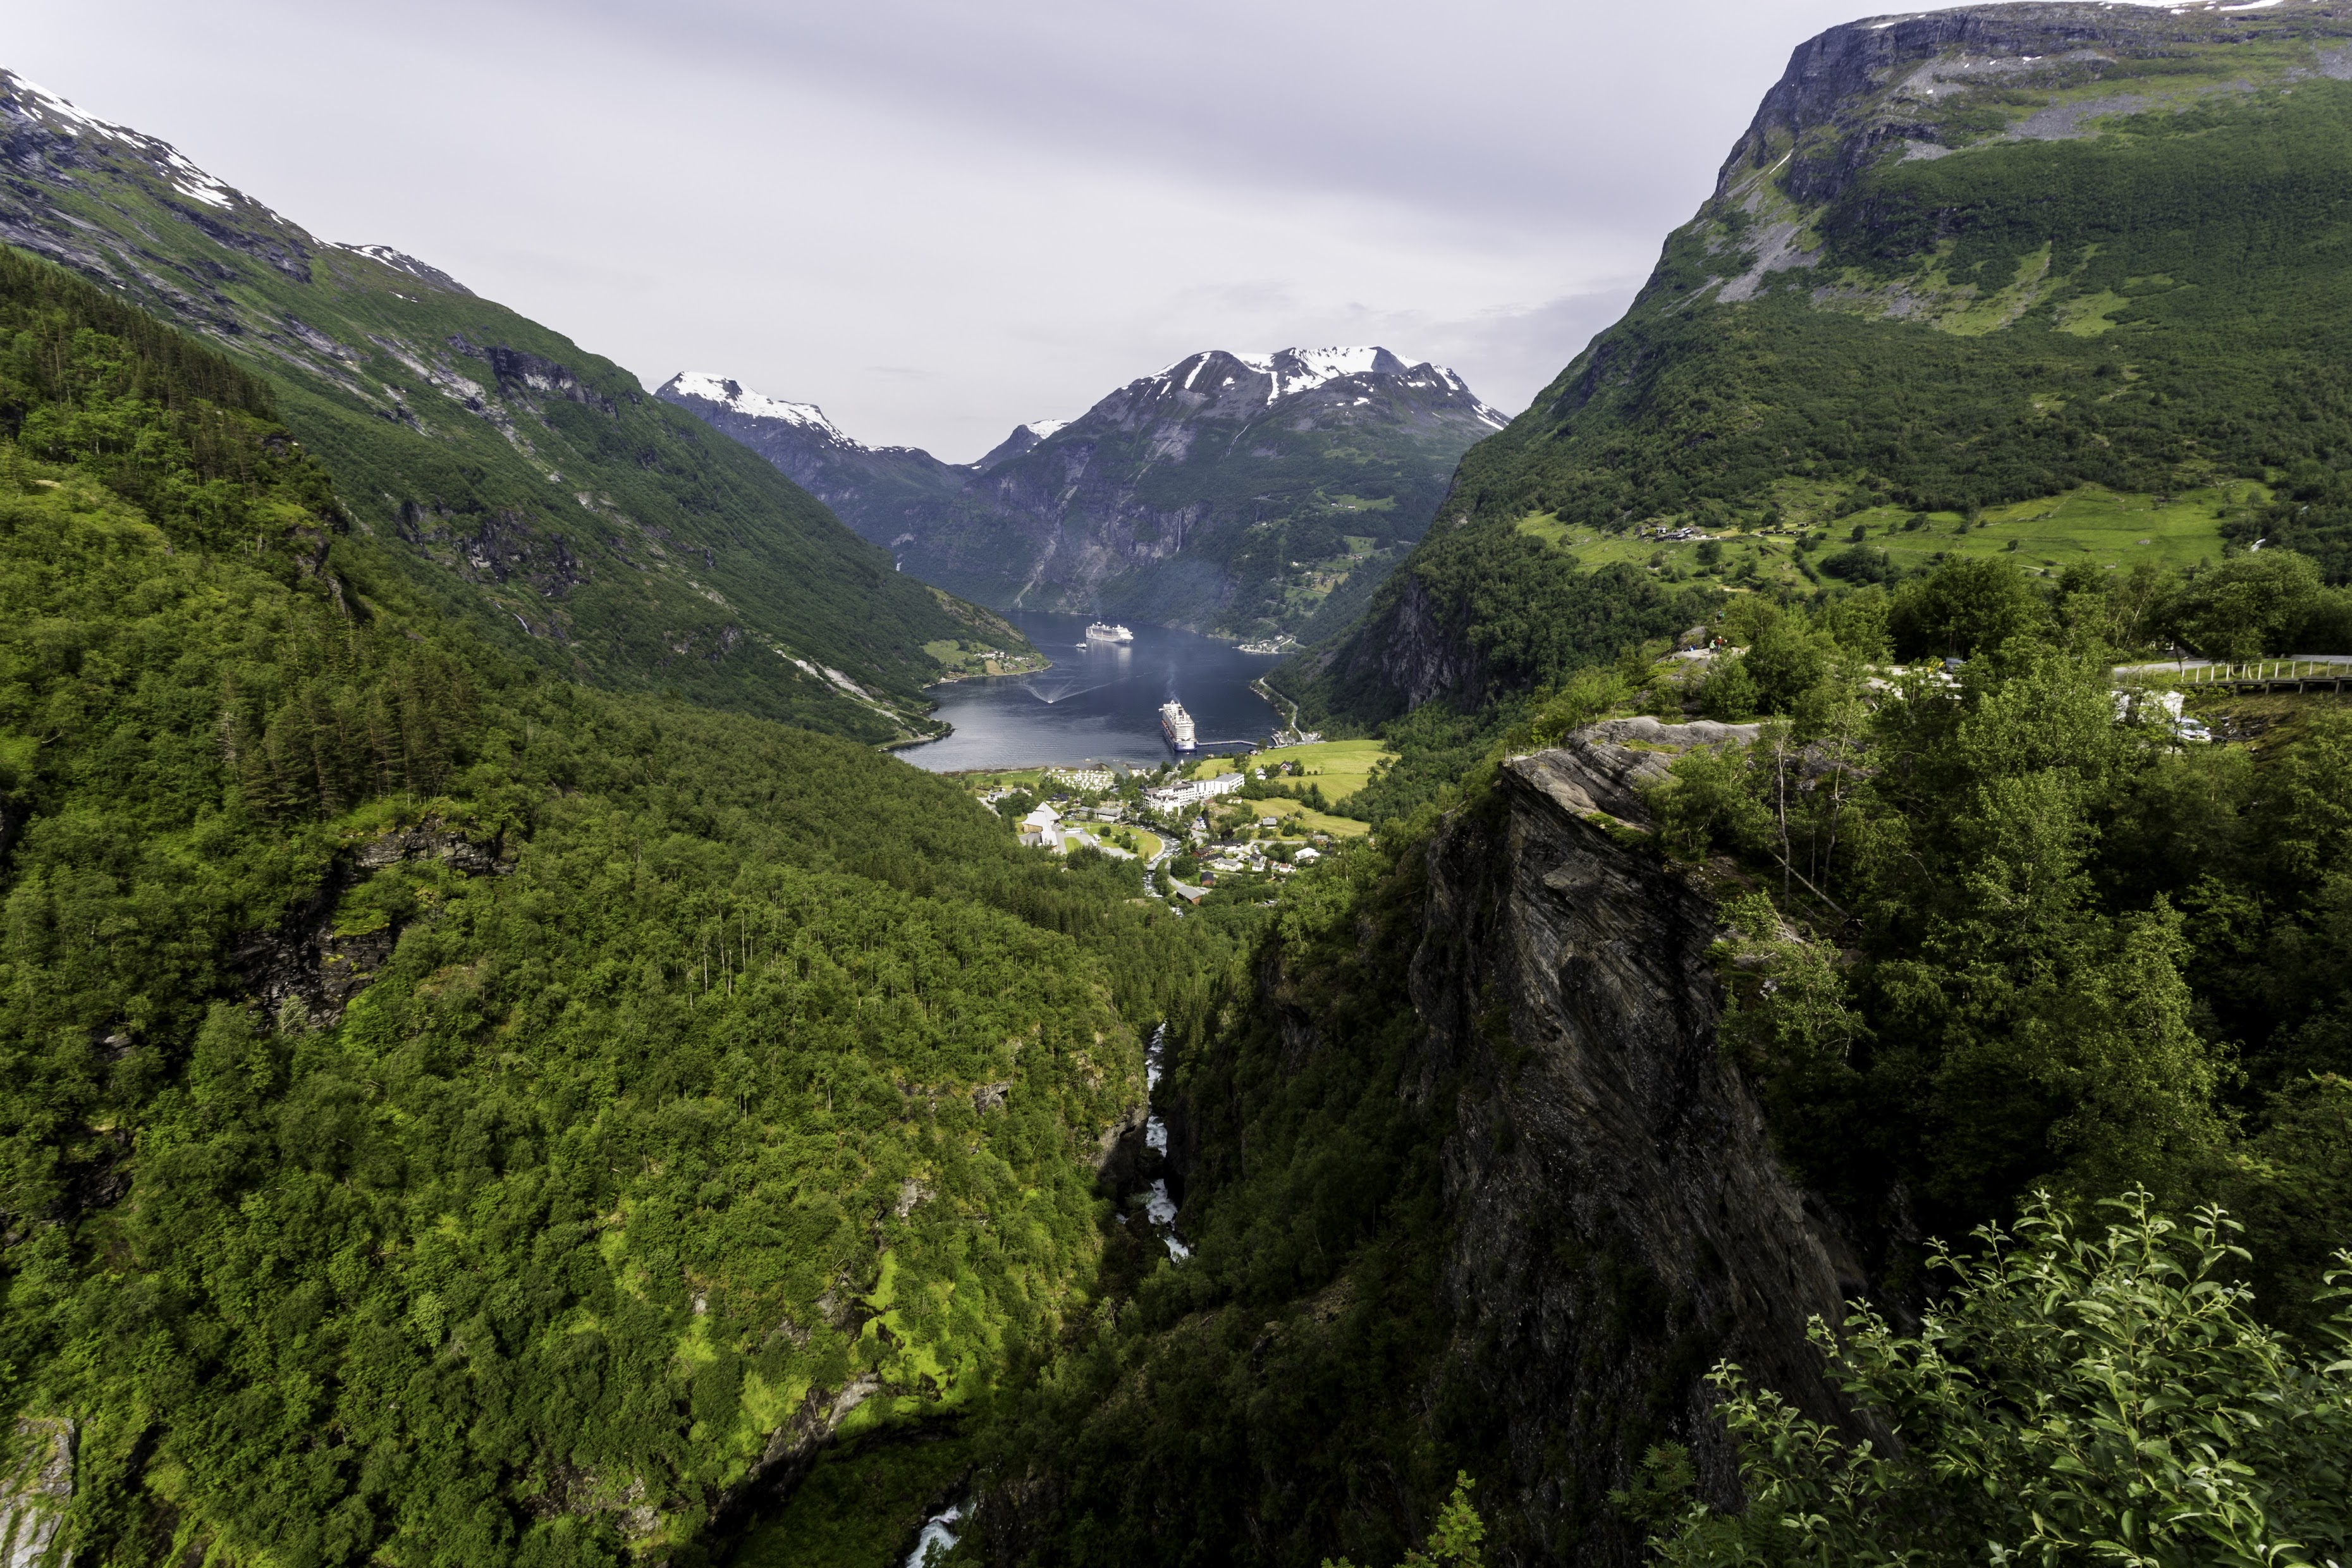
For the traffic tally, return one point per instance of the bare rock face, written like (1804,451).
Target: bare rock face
(1620,1220)
(1422,660)
(307,965)
(1604,768)
(37,1483)
(1851,89)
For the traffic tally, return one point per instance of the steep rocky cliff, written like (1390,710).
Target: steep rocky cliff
(1234,491)
(1619,1220)
(1960,259)
(1606,1216)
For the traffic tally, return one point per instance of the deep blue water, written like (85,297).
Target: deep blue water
(1098,704)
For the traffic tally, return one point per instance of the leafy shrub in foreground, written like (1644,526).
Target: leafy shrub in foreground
(2075,1400)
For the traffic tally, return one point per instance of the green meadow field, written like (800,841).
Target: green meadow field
(1341,767)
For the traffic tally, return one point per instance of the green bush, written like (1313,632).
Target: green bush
(2268,602)
(1969,602)
(2071,1399)
(1588,695)
(1456,1539)
(1729,693)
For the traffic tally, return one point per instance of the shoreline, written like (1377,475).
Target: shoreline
(980,706)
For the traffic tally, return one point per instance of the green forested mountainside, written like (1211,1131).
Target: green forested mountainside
(527,486)
(1967,258)
(1273,1396)
(1475,614)
(452,1115)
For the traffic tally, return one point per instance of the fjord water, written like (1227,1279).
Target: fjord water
(1098,702)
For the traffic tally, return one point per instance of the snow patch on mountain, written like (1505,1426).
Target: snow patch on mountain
(1307,368)
(191,181)
(1022,440)
(1290,371)
(57,106)
(34,101)
(401,261)
(737,398)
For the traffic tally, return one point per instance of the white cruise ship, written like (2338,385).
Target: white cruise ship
(1105,631)
(1177,725)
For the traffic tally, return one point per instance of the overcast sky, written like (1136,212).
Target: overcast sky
(938,218)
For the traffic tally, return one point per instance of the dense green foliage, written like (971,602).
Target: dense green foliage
(2071,1398)
(2079,952)
(451,1115)
(1517,614)
(1254,1393)
(531,489)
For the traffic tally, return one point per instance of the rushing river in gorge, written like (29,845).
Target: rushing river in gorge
(1099,703)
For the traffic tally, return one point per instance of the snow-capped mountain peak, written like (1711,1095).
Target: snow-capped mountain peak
(1024,439)
(737,398)
(1302,370)
(1292,371)
(1168,498)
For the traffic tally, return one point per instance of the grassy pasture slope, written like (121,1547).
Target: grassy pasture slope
(1965,265)
(2115,528)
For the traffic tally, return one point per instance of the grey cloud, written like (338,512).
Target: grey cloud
(1520,351)
(1535,112)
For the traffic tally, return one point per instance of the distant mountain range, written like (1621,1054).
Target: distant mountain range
(1246,493)
(539,492)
